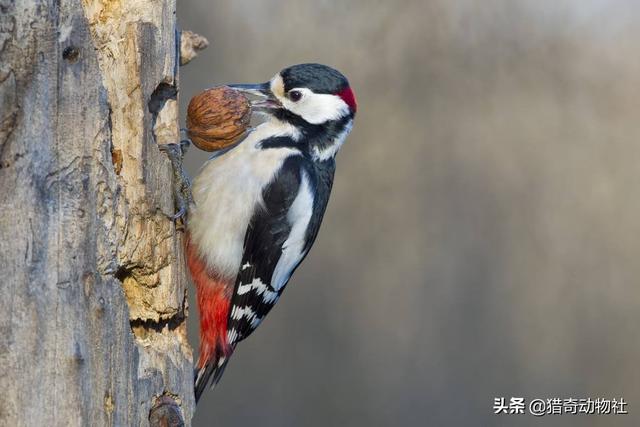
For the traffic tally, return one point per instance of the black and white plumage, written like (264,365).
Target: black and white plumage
(277,240)
(259,206)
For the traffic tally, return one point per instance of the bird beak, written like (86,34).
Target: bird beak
(267,101)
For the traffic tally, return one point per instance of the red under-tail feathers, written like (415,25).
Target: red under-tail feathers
(214,297)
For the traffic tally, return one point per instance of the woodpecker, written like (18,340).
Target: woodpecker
(258,206)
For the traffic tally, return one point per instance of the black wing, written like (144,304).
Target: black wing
(254,293)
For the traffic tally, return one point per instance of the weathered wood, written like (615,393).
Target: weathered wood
(165,413)
(190,44)
(92,329)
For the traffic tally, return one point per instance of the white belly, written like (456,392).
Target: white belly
(226,192)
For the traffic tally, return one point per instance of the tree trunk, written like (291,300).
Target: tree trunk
(92,330)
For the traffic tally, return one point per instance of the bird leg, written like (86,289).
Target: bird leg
(181,181)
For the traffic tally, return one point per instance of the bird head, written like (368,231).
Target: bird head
(315,93)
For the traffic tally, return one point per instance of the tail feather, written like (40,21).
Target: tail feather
(210,374)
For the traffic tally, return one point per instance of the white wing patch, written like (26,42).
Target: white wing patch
(238,313)
(232,334)
(298,216)
(268,296)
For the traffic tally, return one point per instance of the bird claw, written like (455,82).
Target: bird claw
(178,215)
(184,145)
(181,181)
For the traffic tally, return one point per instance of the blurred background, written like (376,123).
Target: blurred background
(482,239)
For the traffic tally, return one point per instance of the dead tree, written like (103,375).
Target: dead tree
(92,326)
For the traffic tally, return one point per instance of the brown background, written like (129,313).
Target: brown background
(482,239)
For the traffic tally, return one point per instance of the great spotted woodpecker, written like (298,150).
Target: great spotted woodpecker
(258,206)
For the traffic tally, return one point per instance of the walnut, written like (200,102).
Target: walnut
(217,118)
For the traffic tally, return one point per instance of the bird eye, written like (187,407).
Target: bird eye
(295,95)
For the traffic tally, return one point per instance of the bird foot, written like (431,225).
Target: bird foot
(181,181)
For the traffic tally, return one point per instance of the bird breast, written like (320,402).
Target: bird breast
(228,190)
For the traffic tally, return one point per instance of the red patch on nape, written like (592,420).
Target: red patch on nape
(214,299)
(349,98)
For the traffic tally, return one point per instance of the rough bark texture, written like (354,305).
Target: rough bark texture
(92,328)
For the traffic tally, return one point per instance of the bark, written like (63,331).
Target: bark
(92,330)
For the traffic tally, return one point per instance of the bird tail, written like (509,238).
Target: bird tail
(213,304)
(209,373)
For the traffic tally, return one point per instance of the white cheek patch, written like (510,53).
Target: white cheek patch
(318,108)
(314,108)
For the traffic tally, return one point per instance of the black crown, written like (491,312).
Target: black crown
(317,77)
